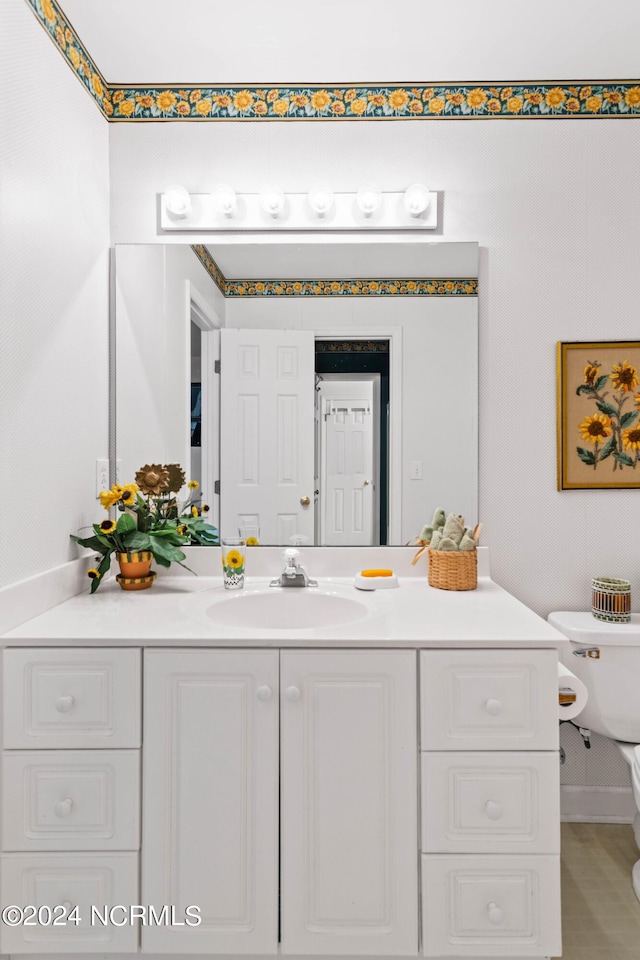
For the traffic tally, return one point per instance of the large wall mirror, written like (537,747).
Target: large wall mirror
(320,392)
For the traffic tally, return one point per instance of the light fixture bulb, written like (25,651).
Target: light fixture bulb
(320,199)
(177,201)
(416,199)
(224,200)
(273,200)
(369,199)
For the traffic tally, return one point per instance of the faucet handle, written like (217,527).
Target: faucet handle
(291,556)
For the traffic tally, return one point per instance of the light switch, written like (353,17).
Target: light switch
(416,469)
(102,476)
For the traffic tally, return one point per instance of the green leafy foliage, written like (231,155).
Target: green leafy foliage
(623,458)
(607,408)
(609,448)
(628,418)
(586,456)
(601,382)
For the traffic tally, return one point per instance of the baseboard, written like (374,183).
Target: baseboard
(585,804)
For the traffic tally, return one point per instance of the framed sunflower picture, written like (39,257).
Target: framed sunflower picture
(599,414)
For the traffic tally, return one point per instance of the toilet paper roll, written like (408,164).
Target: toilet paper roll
(569,686)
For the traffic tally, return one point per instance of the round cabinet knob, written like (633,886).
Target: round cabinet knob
(305,501)
(264,692)
(64,807)
(64,704)
(292,694)
(493,707)
(496,915)
(493,810)
(366,483)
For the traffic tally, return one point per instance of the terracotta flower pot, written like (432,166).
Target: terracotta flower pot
(134,565)
(136,583)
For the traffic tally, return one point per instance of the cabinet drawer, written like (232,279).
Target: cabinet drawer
(71,800)
(79,879)
(491,906)
(71,698)
(490,802)
(489,700)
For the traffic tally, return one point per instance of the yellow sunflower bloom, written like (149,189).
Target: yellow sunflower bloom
(93,574)
(624,377)
(632,97)
(107,526)
(194,512)
(233,559)
(595,429)
(193,484)
(253,542)
(555,97)
(320,100)
(166,100)
(476,97)
(129,492)
(590,373)
(243,100)
(631,439)
(398,99)
(182,529)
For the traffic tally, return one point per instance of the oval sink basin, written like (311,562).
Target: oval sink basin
(295,607)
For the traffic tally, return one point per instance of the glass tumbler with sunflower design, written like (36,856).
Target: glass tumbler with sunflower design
(233,554)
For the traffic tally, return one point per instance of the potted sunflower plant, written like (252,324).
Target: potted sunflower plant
(152,525)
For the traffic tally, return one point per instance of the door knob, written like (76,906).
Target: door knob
(305,501)
(264,692)
(366,483)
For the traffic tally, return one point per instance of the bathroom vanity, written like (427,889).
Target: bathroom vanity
(384,787)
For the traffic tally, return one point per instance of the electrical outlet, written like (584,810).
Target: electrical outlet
(416,469)
(118,471)
(102,476)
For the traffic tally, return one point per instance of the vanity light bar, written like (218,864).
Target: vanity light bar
(252,213)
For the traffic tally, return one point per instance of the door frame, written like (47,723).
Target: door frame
(394,336)
(200,312)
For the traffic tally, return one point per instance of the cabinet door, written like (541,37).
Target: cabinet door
(348,803)
(210,799)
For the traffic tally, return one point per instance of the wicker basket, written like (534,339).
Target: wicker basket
(453,569)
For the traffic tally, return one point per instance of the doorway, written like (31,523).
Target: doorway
(352,441)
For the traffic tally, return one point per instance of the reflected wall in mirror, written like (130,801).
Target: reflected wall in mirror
(307,418)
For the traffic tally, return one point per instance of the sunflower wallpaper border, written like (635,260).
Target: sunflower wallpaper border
(254,102)
(598,385)
(372,287)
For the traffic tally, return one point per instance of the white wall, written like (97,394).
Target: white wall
(438,385)
(54,239)
(153,356)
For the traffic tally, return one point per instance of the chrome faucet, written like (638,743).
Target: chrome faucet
(293,574)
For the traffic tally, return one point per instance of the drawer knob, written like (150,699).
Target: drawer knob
(292,694)
(495,913)
(64,704)
(493,810)
(264,692)
(64,807)
(493,707)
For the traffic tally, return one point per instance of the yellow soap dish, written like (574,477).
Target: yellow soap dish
(375,580)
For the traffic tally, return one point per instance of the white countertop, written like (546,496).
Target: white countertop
(177,610)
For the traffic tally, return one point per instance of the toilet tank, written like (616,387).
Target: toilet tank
(611,672)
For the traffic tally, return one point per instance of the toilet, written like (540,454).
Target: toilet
(606,657)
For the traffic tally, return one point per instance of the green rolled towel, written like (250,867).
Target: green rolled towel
(435,540)
(453,528)
(438,518)
(426,533)
(446,543)
(467,543)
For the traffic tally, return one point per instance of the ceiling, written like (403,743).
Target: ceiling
(357,258)
(347,41)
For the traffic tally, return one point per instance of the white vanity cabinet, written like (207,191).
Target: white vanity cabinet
(347,829)
(70,795)
(490,803)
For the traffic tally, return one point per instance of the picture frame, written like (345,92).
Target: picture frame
(598,414)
